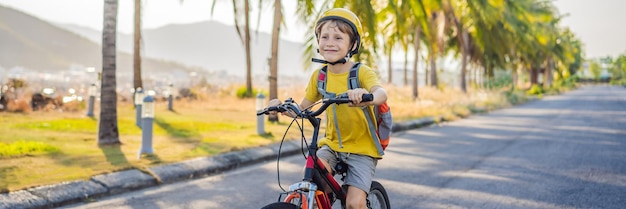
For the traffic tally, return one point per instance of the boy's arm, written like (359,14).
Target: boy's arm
(305,103)
(380,95)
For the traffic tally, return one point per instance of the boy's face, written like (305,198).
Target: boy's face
(334,44)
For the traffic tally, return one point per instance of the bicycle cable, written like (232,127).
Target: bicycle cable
(303,140)
(280,147)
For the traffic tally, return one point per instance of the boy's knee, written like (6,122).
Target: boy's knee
(356,198)
(356,204)
(327,165)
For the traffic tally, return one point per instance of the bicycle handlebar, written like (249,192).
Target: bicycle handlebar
(290,105)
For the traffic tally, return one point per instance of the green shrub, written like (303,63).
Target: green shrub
(242,93)
(515,97)
(562,85)
(535,90)
(501,79)
(21,148)
(621,82)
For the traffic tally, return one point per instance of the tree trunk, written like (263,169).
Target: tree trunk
(534,74)
(433,71)
(547,74)
(427,72)
(470,75)
(248,51)
(515,76)
(490,71)
(273,79)
(464,38)
(406,69)
(137,82)
(416,44)
(108,132)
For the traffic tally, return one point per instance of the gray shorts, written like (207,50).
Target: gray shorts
(360,167)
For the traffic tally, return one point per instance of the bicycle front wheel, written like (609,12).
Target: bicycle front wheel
(377,197)
(280,205)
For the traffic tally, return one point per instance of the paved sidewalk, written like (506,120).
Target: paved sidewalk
(98,186)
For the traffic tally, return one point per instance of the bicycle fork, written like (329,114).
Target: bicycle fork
(307,196)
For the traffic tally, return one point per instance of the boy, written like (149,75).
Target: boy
(338,33)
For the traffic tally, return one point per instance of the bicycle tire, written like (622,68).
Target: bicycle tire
(280,205)
(377,197)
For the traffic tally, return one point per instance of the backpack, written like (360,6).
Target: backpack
(379,124)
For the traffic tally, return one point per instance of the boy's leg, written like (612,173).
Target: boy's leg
(328,158)
(359,179)
(356,198)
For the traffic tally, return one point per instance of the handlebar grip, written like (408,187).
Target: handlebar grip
(367,98)
(267,110)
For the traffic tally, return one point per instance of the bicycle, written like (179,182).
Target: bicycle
(319,188)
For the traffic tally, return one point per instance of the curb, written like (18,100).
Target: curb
(102,185)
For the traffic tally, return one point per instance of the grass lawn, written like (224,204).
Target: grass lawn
(40,148)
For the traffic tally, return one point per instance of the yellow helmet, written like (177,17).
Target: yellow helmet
(348,17)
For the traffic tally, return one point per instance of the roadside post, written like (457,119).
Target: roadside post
(138,104)
(147,120)
(92,98)
(260,119)
(170,97)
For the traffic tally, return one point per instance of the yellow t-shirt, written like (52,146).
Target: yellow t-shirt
(355,133)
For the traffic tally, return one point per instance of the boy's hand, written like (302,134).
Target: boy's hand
(356,96)
(276,102)
(272,103)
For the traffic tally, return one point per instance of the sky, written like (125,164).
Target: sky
(598,23)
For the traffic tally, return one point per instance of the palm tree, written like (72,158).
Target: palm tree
(573,59)
(433,27)
(462,37)
(497,35)
(137,82)
(511,34)
(416,45)
(245,37)
(395,18)
(402,24)
(419,22)
(274,56)
(107,125)
(246,41)
(390,32)
(437,23)
(539,17)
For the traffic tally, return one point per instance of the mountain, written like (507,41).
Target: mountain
(29,44)
(179,53)
(209,44)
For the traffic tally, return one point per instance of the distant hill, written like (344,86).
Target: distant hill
(211,49)
(209,44)
(36,45)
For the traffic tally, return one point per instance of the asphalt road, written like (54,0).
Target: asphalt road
(566,151)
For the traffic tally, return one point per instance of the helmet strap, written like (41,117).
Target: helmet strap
(340,61)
